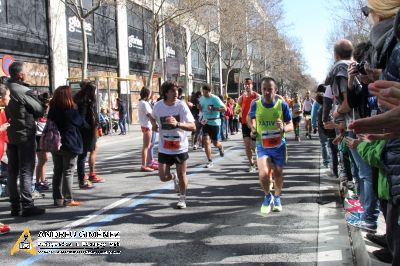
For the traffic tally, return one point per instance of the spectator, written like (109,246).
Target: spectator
(22,111)
(104,121)
(145,124)
(86,102)
(64,114)
(4,100)
(121,108)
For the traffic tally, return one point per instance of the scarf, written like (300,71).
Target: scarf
(381,38)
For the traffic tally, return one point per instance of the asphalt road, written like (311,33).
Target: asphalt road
(221,225)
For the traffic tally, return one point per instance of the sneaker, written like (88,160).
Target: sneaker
(383,255)
(297,139)
(4,229)
(358,209)
(181,203)
(95,179)
(377,239)
(155,162)
(33,211)
(266,205)
(277,204)
(203,149)
(252,169)
(146,169)
(354,214)
(41,186)
(37,195)
(194,147)
(153,166)
(221,152)
(209,164)
(353,221)
(86,184)
(176,183)
(72,203)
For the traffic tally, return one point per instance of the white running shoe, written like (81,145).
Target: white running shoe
(181,203)
(252,169)
(209,164)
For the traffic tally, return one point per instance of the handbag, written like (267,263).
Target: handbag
(51,138)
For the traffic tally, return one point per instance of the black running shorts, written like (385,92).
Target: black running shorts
(171,159)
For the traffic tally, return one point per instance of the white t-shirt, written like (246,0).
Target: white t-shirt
(144,110)
(307,105)
(328,92)
(172,140)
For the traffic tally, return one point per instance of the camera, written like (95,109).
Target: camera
(361,68)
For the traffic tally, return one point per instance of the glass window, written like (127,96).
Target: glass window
(105,32)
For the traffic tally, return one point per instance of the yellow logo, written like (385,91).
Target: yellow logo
(24,243)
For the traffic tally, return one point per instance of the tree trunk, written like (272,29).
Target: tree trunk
(84,50)
(152,62)
(228,70)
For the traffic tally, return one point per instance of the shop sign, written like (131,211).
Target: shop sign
(74,25)
(135,42)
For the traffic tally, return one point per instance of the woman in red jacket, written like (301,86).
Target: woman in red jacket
(4,99)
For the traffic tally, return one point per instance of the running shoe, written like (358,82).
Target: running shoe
(252,169)
(95,179)
(354,214)
(59,202)
(4,228)
(266,205)
(221,152)
(277,204)
(194,147)
(155,162)
(368,227)
(146,169)
(181,203)
(209,164)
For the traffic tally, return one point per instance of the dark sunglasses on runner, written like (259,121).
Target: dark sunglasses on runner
(365,10)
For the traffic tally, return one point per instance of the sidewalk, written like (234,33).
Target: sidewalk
(350,241)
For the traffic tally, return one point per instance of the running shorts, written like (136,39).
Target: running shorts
(212,131)
(278,155)
(296,119)
(245,131)
(171,159)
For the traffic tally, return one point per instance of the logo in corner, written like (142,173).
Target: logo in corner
(24,243)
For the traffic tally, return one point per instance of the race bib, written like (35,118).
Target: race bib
(172,143)
(271,139)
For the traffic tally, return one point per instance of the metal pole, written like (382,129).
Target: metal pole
(109,103)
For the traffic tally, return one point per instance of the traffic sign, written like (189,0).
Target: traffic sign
(5,63)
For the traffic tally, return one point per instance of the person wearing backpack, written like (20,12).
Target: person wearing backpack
(64,113)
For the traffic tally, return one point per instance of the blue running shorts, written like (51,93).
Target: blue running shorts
(278,155)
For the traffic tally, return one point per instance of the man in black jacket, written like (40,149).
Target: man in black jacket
(22,111)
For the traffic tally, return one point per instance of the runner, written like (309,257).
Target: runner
(307,107)
(211,107)
(244,102)
(266,116)
(175,119)
(296,112)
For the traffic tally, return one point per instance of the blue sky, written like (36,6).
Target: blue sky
(310,22)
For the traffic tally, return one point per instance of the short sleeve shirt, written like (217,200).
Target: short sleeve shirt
(172,140)
(144,109)
(212,117)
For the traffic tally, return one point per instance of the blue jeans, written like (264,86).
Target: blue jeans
(153,142)
(369,200)
(122,123)
(323,139)
(21,164)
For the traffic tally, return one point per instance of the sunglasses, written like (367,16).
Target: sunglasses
(365,10)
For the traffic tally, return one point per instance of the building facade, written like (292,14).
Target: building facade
(47,36)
